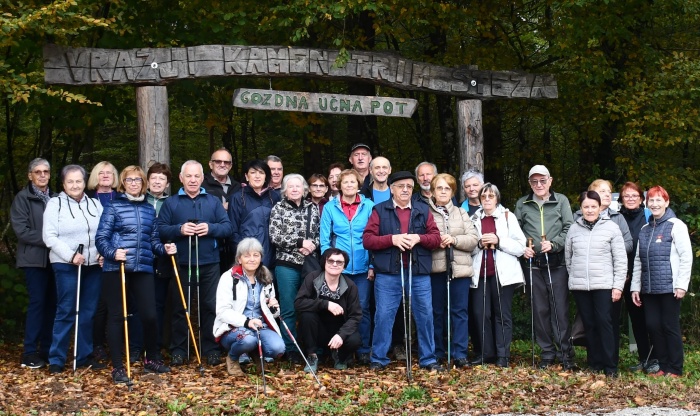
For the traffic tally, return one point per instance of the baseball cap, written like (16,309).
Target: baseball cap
(538,170)
(358,145)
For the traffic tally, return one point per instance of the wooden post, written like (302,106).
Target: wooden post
(471,137)
(154,130)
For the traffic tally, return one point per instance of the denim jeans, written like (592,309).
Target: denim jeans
(41,310)
(66,289)
(364,288)
(288,282)
(387,293)
(242,341)
(459,314)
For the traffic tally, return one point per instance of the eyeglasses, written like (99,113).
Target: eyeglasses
(630,197)
(404,187)
(541,182)
(133,180)
(443,189)
(318,185)
(488,196)
(221,162)
(335,262)
(40,172)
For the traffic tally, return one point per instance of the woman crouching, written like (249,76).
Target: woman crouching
(245,299)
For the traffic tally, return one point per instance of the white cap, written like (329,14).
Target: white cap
(538,170)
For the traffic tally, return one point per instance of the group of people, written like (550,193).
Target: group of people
(347,262)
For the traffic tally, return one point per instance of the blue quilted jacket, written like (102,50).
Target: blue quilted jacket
(130,225)
(664,256)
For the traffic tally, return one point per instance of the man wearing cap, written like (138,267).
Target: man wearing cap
(360,158)
(399,232)
(545,216)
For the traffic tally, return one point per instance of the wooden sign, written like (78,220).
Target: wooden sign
(309,102)
(152,66)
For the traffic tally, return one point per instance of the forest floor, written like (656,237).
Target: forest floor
(475,390)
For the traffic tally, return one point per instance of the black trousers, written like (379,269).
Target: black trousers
(639,326)
(595,308)
(208,282)
(663,316)
(140,287)
(498,333)
(544,298)
(317,328)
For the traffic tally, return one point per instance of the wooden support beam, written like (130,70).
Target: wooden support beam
(471,137)
(154,130)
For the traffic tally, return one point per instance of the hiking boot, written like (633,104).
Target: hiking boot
(313,364)
(434,367)
(376,367)
(119,375)
(91,363)
(502,362)
(338,364)
(55,369)
(244,359)
(461,362)
(652,367)
(636,367)
(544,363)
(569,366)
(177,360)
(32,361)
(233,367)
(155,366)
(399,353)
(214,359)
(363,358)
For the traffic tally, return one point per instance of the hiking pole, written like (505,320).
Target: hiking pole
(405,334)
(532,306)
(554,302)
(313,373)
(129,383)
(483,316)
(187,314)
(189,288)
(262,362)
(409,356)
(199,304)
(77,311)
(500,307)
(448,268)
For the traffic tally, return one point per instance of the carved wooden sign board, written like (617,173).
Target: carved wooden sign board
(160,66)
(308,102)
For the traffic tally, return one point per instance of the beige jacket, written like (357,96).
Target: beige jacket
(458,225)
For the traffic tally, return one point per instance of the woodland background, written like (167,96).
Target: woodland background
(627,110)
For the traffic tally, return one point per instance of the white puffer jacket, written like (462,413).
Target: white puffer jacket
(511,246)
(595,258)
(229,312)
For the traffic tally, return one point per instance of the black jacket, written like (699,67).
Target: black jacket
(214,187)
(27,218)
(307,300)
